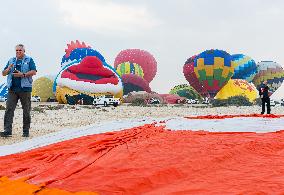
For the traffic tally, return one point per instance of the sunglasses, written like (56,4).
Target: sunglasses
(19,50)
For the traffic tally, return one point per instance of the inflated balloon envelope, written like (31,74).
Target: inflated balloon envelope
(189,74)
(186,91)
(85,73)
(213,68)
(271,72)
(42,87)
(74,53)
(141,57)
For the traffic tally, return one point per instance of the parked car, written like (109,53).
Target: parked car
(272,103)
(35,98)
(192,101)
(282,102)
(189,101)
(51,99)
(3,99)
(106,100)
(205,100)
(154,101)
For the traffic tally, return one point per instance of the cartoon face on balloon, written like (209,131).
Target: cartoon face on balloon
(90,76)
(76,51)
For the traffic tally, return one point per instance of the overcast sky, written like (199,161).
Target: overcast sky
(171,30)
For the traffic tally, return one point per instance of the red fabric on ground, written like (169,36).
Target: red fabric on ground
(152,160)
(235,116)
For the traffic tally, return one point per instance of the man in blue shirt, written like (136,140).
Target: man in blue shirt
(19,71)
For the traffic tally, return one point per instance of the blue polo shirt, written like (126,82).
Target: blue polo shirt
(16,81)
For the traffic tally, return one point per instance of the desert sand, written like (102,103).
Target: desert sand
(52,117)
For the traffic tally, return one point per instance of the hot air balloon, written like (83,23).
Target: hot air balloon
(42,87)
(186,91)
(213,69)
(141,57)
(74,54)
(189,74)
(238,87)
(270,71)
(90,77)
(245,67)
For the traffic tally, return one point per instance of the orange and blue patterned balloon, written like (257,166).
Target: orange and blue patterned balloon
(213,68)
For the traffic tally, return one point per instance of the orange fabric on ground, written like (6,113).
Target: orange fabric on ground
(16,187)
(152,160)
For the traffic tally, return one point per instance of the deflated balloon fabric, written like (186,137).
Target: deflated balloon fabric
(151,159)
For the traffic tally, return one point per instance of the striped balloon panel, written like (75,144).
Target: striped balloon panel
(271,72)
(130,68)
(3,90)
(274,79)
(245,67)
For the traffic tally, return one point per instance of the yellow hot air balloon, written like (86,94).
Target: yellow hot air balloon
(42,87)
(238,87)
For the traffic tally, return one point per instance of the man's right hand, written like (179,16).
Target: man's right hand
(7,70)
(10,66)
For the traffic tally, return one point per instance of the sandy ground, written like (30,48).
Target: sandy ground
(52,117)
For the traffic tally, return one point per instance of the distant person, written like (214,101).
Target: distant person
(19,71)
(264,95)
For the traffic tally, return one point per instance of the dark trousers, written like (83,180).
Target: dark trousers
(267,101)
(12,100)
